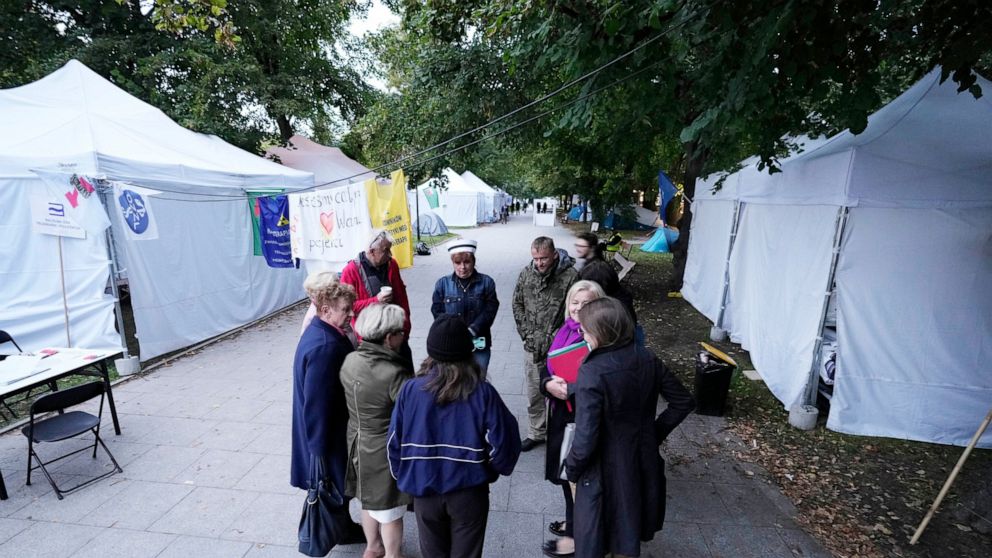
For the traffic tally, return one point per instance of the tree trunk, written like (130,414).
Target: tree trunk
(285,127)
(695,159)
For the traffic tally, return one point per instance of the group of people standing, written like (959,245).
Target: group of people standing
(436,438)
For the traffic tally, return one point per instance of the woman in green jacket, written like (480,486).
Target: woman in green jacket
(372,377)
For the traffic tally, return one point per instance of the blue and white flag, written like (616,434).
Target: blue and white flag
(135,210)
(667,191)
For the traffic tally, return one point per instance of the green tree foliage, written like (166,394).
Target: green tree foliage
(709,83)
(290,68)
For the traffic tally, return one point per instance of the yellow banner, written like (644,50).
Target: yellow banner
(389,210)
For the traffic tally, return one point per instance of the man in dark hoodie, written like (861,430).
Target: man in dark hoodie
(538,310)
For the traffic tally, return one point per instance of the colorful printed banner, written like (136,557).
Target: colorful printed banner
(256,213)
(78,198)
(331,225)
(388,209)
(274,231)
(134,204)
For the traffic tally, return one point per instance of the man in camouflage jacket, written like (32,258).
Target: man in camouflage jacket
(539,310)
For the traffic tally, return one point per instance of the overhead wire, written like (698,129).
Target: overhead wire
(397,163)
(483,138)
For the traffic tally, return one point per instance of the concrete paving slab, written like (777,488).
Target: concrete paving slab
(190,547)
(50,540)
(218,468)
(162,463)
(678,540)
(744,541)
(204,512)
(270,518)
(11,527)
(137,505)
(73,508)
(122,543)
(268,475)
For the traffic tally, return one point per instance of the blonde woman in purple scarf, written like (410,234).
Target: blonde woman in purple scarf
(561,405)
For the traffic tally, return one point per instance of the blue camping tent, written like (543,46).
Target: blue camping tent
(662,239)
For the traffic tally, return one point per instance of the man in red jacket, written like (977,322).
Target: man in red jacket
(376,278)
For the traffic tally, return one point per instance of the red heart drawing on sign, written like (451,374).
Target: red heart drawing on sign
(327,221)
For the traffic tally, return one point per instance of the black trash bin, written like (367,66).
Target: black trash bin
(713,377)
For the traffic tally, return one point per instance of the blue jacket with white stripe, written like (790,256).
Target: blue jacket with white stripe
(437,449)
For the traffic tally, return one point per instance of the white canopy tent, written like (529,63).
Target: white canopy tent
(898,220)
(462,205)
(489,195)
(329,165)
(196,280)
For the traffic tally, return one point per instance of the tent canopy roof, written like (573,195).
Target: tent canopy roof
(456,184)
(328,164)
(475,182)
(930,147)
(74,117)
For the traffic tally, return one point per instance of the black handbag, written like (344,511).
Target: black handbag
(324,522)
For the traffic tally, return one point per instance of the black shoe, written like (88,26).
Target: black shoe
(528,444)
(557,528)
(551,549)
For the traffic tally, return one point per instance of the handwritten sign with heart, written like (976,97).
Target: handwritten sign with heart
(331,224)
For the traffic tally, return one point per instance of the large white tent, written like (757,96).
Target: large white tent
(490,196)
(461,205)
(329,165)
(884,237)
(196,280)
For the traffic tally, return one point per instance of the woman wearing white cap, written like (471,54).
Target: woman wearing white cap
(469,294)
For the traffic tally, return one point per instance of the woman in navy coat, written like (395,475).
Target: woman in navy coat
(320,414)
(620,476)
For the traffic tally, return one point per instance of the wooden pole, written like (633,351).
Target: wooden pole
(950,479)
(65,300)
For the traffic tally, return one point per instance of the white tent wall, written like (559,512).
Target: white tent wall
(914,312)
(33,311)
(914,324)
(706,264)
(488,213)
(778,272)
(464,206)
(199,278)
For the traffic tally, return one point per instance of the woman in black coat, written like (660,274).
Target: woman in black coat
(620,476)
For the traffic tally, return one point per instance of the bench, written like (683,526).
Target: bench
(625,264)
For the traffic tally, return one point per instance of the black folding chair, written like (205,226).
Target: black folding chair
(64,426)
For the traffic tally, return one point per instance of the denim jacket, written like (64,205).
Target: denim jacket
(476,303)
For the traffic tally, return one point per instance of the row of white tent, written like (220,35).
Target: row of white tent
(886,234)
(197,279)
(461,200)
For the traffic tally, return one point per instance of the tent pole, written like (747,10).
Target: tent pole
(416,199)
(951,478)
(726,266)
(114,274)
(65,301)
(814,372)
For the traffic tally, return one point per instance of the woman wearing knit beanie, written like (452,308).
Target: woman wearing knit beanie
(451,436)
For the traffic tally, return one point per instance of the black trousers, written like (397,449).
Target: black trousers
(569,508)
(453,525)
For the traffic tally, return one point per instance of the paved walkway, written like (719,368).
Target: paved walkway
(205,449)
